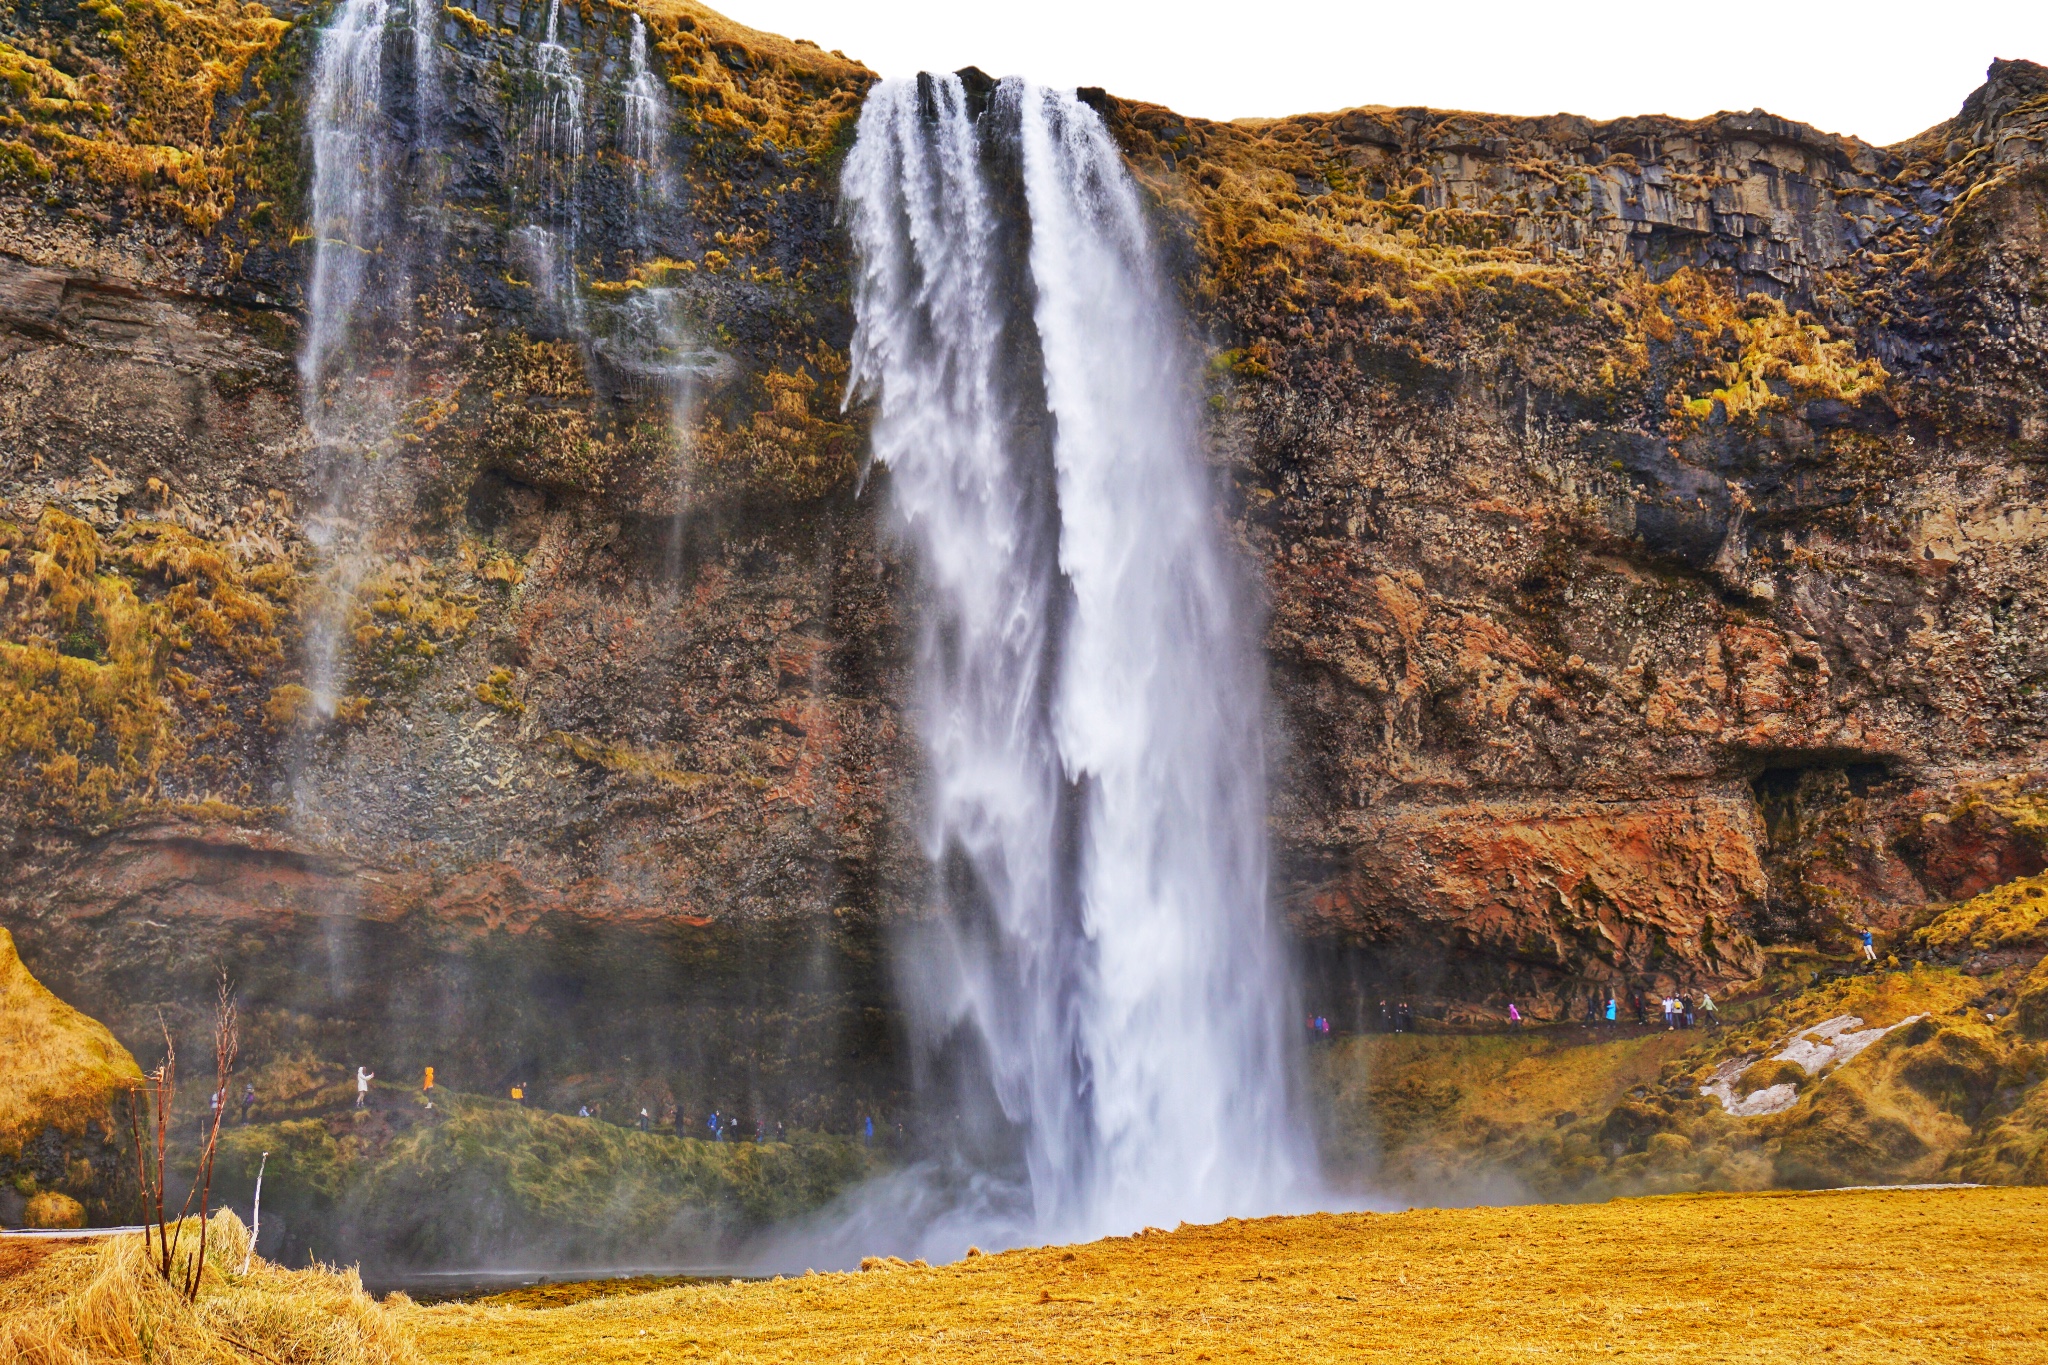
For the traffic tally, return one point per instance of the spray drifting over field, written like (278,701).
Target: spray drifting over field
(1100,999)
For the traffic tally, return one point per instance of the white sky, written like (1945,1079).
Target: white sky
(1882,70)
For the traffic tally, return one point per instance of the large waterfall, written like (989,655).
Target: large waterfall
(1100,998)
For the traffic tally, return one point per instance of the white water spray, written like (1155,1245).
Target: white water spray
(1102,983)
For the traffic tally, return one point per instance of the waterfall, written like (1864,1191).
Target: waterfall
(643,130)
(354,160)
(1100,995)
(425,64)
(351,165)
(557,140)
(365,132)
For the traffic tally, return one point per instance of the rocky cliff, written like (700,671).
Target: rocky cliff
(1649,512)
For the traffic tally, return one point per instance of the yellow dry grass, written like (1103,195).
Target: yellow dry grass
(61,1070)
(1947,1276)
(100,1301)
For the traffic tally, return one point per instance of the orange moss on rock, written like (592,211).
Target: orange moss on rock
(132,101)
(98,691)
(2014,915)
(761,87)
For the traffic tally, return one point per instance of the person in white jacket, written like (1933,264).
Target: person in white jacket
(363,1077)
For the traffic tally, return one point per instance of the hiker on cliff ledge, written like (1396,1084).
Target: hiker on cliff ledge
(1869,946)
(363,1078)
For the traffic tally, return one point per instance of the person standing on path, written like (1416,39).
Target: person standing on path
(1613,1010)
(1869,945)
(867,1137)
(1713,1015)
(363,1078)
(1514,1015)
(248,1100)
(1667,1011)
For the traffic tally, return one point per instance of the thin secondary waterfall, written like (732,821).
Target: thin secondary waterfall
(1101,997)
(349,130)
(425,64)
(366,131)
(354,159)
(644,128)
(557,140)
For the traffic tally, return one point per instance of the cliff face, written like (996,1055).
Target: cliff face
(1649,514)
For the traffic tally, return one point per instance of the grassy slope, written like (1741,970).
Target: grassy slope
(1569,1113)
(62,1069)
(476,1179)
(1873,1277)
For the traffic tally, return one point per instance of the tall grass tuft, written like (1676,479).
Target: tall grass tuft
(103,1301)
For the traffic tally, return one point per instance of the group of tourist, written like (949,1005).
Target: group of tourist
(219,1100)
(1679,1011)
(1399,1019)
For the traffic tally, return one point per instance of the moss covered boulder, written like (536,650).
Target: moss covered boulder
(63,1073)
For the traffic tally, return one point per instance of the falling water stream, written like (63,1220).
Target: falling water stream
(643,128)
(555,140)
(1100,998)
(349,130)
(354,155)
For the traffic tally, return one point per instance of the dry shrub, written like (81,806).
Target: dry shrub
(104,1301)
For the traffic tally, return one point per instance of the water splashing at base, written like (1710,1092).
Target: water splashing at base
(1101,999)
